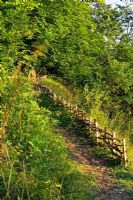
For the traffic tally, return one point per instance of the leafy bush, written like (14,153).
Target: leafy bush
(35,162)
(34,158)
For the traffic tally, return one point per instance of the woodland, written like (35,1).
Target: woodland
(83,51)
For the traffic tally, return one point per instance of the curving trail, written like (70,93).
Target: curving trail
(81,153)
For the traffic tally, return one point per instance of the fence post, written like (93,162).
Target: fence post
(54,96)
(82,115)
(90,122)
(65,103)
(50,91)
(94,126)
(95,121)
(0,149)
(75,110)
(104,136)
(114,136)
(97,133)
(60,101)
(105,129)
(70,107)
(124,152)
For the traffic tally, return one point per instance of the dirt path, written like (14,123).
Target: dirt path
(81,153)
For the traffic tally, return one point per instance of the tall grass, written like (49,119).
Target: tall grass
(92,103)
(60,90)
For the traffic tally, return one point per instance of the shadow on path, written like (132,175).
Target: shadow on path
(81,152)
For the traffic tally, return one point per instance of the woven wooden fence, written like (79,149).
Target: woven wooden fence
(116,146)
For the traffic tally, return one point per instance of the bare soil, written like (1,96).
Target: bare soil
(81,152)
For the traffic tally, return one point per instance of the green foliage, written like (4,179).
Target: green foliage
(35,162)
(30,147)
(101,60)
(60,90)
(98,105)
(84,44)
(124,178)
(84,185)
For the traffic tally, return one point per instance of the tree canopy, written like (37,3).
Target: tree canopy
(89,46)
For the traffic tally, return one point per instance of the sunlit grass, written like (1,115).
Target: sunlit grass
(124,178)
(73,97)
(60,90)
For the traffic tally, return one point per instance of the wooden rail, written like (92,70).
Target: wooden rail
(116,146)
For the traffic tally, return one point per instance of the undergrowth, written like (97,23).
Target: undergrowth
(35,162)
(91,102)
(60,90)
(124,178)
